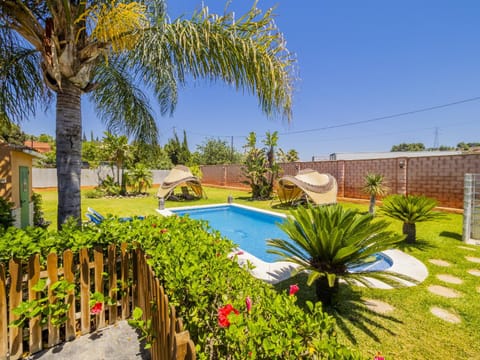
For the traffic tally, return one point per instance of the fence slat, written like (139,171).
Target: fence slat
(15,296)
(52,269)
(98,260)
(180,341)
(171,333)
(125,289)
(112,276)
(69,273)
(35,330)
(3,315)
(84,291)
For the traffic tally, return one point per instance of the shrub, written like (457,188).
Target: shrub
(38,219)
(192,261)
(327,240)
(410,209)
(6,216)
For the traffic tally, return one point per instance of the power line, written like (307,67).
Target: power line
(385,117)
(352,123)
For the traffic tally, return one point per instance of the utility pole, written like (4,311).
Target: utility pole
(231,149)
(435,140)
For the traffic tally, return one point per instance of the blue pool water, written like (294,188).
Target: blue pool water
(250,229)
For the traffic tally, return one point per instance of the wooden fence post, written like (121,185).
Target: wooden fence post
(15,297)
(84,291)
(112,291)
(35,340)
(52,269)
(3,315)
(98,261)
(69,274)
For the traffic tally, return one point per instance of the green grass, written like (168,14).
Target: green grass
(410,331)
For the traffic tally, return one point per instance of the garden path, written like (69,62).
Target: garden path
(116,342)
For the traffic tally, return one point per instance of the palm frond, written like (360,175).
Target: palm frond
(121,104)
(21,84)
(248,53)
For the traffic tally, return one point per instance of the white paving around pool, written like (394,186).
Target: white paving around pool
(276,272)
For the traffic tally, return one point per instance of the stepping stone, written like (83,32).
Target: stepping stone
(474,272)
(378,306)
(439,262)
(444,291)
(466,248)
(449,278)
(445,315)
(473,259)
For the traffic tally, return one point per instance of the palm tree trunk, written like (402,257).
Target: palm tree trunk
(371,208)
(69,152)
(410,230)
(325,293)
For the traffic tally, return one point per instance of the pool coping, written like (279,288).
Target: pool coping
(276,272)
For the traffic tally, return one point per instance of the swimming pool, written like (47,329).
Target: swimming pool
(250,228)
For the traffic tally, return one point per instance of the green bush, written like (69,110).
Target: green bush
(200,279)
(38,219)
(6,217)
(94,194)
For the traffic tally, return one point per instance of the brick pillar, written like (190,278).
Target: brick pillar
(402,171)
(341,178)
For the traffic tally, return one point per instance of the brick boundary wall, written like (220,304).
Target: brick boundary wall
(439,177)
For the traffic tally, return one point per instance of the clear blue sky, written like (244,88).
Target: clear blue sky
(357,60)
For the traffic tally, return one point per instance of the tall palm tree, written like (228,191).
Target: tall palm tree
(117,150)
(328,241)
(374,187)
(110,50)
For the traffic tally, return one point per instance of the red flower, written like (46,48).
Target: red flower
(96,309)
(163,231)
(248,303)
(223,313)
(293,289)
(240,252)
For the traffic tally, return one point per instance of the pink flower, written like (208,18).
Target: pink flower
(248,303)
(379,356)
(293,289)
(240,252)
(223,313)
(96,309)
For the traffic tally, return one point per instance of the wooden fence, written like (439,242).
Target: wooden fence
(124,276)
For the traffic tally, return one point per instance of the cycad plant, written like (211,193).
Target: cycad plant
(410,209)
(374,187)
(327,241)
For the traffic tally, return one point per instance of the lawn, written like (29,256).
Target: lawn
(409,330)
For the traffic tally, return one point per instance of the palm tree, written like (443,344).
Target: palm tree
(410,209)
(117,150)
(109,49)
(139,177)
(374,187)
(326,241)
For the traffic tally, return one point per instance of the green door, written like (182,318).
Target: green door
(24,199)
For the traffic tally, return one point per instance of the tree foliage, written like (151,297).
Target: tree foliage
(408,147)
(117,52)
(216,152)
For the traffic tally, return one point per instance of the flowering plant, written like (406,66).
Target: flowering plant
(223,313)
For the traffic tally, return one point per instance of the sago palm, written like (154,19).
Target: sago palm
(113,51)
(410,209)
(328,241)
(374,187)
